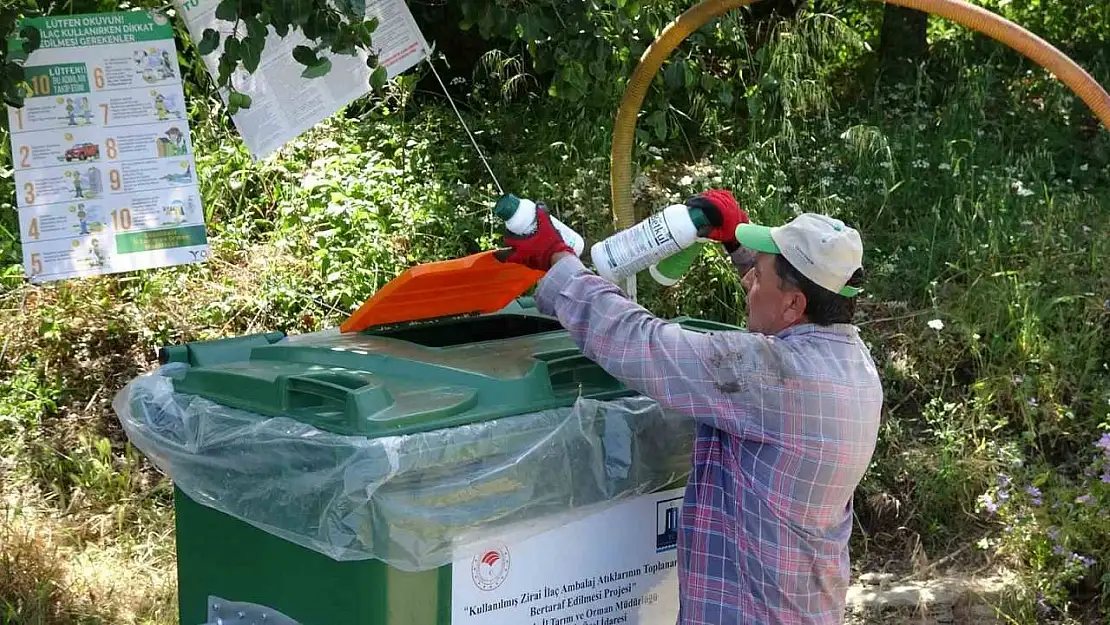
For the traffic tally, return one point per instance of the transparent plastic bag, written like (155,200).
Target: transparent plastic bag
(413,500)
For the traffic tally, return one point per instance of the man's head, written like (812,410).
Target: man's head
(807,271)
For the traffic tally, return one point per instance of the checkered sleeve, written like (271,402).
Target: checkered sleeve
(679,368)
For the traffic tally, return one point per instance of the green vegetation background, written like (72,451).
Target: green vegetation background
(981,185)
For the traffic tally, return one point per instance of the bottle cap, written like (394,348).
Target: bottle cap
(506,206)
(701,221)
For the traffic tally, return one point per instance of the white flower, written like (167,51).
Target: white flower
(1084,167)
(944,167)
(936,324)
(686,181)
(1018,187)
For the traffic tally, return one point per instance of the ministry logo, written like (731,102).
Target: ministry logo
(490,567)
(666,524)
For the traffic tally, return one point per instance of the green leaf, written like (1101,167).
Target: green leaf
(302,11)
(252,53)
(379,78)
(209,42)
(691,76)
(367,29)
(319,69)
(226,67)
(227,10)
(280,17)
(233,49)
(32,38)
(305,56)
(256,29)
(674,75)
(755,106)
(658,122)
(16,73)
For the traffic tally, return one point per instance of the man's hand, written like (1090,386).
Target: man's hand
(723,212)
(538,250)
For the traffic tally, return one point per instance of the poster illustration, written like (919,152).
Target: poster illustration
(105,176)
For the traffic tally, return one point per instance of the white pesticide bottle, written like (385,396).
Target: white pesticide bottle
(660,236)
(519,215)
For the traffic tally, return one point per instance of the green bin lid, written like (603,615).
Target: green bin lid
(388,381)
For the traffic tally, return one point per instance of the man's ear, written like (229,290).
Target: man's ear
(795,309)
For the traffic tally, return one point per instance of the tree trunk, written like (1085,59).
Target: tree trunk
(903,44)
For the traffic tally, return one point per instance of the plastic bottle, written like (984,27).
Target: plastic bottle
(670,270)
(519,216)
(658,237)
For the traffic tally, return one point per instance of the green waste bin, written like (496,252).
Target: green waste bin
(333,478)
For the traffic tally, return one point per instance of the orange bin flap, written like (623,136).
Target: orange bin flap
(474,284)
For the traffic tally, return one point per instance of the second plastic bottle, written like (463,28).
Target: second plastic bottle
(658,237)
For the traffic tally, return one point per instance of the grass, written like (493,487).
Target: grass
(981,192)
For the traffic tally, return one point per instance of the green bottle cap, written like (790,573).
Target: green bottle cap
(701,221)
(506,206)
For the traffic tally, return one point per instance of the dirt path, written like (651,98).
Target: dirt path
(879,598)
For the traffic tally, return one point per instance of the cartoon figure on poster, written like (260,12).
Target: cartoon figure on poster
(175,212)
(97,258)
(153,64)
(173,144)
(86,186)
(85,110)
(96,185)
(78,184)
(77,113)
(164,106)
(87,218)
(185,177)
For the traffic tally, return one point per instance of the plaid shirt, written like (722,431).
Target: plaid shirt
(786,427)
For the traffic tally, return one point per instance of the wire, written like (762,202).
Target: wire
(465,127)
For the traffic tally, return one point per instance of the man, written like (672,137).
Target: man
(787,412)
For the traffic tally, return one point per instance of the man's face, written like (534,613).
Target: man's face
(773,305)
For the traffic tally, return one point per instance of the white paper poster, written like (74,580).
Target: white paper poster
(617,567)
(283,104)
(104,170)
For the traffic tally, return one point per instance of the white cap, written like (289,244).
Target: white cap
(823,249)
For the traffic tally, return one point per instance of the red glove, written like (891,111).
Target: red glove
(535,251)
(723,212)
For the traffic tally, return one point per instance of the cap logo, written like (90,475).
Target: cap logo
(800,251)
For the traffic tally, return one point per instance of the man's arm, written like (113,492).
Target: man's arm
(676,367)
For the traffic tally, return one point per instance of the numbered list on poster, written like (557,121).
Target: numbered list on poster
(104,169)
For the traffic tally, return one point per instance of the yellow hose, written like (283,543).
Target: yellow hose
(976,18)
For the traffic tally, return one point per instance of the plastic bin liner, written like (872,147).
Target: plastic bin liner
(411,501)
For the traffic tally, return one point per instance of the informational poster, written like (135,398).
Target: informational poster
(616,567)
(283,103)
(104,170)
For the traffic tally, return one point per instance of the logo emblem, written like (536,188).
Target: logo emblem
(490,567)
(666,524)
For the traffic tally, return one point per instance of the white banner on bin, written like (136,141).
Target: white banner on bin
(617,567)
